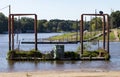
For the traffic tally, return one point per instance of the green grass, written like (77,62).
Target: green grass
(66,36)
(72,36)
(97,53)
(71,55)
(112,36)
(118,32)
(16,54)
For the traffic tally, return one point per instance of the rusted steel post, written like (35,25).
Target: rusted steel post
(9,31)
(12,32)
(81,34)
(107,25)
(76,31)
(104,24)
(35,29)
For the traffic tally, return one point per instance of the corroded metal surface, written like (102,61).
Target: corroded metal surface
(11,29)
(105,28)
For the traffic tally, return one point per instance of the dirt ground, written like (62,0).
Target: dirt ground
(61,74)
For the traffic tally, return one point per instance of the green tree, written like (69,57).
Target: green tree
(115,17)
(41,27)
(3,23)
(62,26)
(27,24)
(96,23)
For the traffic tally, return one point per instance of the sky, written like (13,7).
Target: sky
(59,9)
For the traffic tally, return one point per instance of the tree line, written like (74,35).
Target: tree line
(26,25)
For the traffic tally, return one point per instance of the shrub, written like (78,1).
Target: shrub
(31,53)
(99,53)
(11,54)
(71,55)
(90,54)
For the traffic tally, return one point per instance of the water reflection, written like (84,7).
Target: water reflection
(39,65)
(59,65)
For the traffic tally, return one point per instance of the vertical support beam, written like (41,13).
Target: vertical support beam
(96,26)
(35,29)
(9,9)
(107,26)
(76,31)
(9,27)
(81,34)
(104,31)
(12,32)
(9,31)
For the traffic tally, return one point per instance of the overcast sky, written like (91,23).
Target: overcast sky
(59,9)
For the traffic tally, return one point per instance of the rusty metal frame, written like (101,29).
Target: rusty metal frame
(11,29)
(105,26)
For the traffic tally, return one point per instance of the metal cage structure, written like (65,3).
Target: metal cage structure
(105,27)
(11,29)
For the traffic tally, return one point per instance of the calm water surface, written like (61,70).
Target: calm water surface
(8,66)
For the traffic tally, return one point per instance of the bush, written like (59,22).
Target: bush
(90,54)
(99,53)
(11,54)
(71,55)
(31,53)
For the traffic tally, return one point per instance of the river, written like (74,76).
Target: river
(9,66)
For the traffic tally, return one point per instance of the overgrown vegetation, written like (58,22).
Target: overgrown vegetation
(71,55)
(20,54)
(97,53)
(112,36)
(65,37)
(87,53)
(87,36)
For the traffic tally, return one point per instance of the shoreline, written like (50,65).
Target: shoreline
(62,73)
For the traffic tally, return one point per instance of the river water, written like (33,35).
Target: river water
(9,66)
